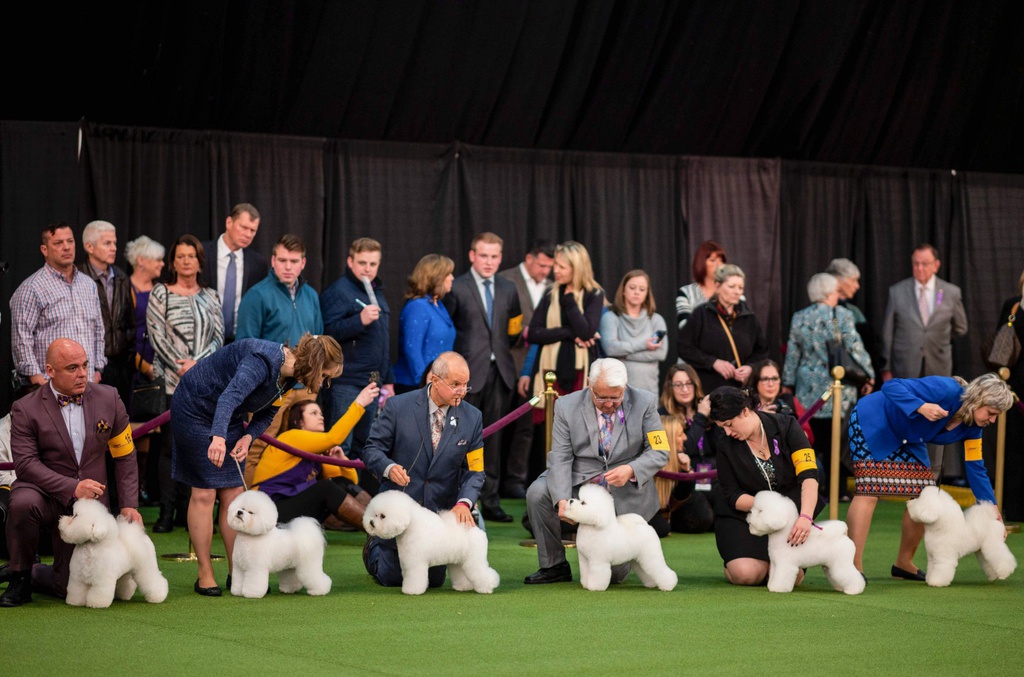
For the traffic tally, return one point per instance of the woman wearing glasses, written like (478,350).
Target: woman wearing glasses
(765,383)
(806,368)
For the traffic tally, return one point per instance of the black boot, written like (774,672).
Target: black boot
(19,590)
(165,522)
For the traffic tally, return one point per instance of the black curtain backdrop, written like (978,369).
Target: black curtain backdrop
(781,221)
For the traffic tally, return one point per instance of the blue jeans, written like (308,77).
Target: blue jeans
(334,402)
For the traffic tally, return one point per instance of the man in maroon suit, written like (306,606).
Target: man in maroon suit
(60,435)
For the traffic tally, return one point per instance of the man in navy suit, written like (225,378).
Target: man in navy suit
(429,444)
(484,308)
(230,259)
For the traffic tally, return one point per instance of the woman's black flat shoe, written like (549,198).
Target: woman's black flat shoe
(906,575)
(213,591)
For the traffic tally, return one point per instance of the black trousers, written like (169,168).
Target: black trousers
(492,401)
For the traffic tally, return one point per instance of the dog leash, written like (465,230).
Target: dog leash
(240,473)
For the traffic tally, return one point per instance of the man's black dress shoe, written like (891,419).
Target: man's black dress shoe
(19,590)
(560,573)
(495,515)
(213,591)
(164,523)
(907,575)
(6,575)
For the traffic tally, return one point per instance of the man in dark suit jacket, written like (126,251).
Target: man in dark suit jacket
(485,311)
(232,249)
(401,453)
(532,279)
(60,436)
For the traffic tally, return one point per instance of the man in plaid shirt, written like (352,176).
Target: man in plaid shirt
(57,301)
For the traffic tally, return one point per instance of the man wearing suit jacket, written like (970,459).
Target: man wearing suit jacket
(230,259)
(608,432)
(922,317)
(427,443)
(60,436)
(532,278)
(485,310)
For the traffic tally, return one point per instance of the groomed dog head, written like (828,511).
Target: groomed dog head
(931,505)
(389,514)
(771,512)
(90,522)
(253,513)
(595,507)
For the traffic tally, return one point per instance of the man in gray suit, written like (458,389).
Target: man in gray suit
(484,308)
(923,316)
(608,432)
(532,279)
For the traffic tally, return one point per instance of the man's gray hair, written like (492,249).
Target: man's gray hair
(92,232)
(843,269)
(820,286)
(609,372)
(143,246)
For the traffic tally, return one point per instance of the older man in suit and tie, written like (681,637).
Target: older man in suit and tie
(234,265)
(608,432)
(922,317)
(484,308)
(60,436)
(532,278)
(429,444)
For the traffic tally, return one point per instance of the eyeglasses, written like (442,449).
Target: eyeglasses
(605,400)
(682,386)
(769,379)
(458,390)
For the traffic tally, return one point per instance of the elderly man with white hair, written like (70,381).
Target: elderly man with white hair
(609,433)
(115,295)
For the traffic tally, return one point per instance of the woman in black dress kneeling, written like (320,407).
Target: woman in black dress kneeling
(756,451)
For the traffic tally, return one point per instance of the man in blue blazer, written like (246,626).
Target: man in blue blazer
(429,444)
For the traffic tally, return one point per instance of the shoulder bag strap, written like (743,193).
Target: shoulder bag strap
(728,334)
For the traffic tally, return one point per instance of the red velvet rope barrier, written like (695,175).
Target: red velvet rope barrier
(815,408)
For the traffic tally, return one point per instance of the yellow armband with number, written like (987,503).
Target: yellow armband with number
(803,459)
(515,325)
(475,459)
(658,440)
(122,445)
(972,450)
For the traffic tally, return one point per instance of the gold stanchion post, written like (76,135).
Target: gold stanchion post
(837,435)
(1004,374)
(549,408)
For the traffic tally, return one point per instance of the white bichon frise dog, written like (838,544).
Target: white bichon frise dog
(294,551)
(604,540)
(950,534)
(827,545)
(426,539)
(112,557)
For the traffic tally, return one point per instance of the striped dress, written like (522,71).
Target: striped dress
(182,327)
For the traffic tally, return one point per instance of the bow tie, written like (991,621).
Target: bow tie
(65,400)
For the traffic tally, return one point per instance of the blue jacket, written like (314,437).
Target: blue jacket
(424,331)
(366,348)
(437,480)
(267,311)
(889,420)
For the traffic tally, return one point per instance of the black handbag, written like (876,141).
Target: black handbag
(148,399)
(1002,347)
(838,357)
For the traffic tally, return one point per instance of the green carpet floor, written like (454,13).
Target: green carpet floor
(703,627)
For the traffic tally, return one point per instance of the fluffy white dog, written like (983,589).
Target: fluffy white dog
(828,546)
(950,534)
(111,557)
(604,540)
(294,551)
(426,539)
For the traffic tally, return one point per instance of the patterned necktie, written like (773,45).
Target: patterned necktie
(230,280)
(606,435)
(922,305)
(489,298)
(65,400)
(436,428)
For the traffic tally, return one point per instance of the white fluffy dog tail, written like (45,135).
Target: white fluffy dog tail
(309,539)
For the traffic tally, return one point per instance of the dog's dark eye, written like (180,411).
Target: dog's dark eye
(381,516)
(583,502)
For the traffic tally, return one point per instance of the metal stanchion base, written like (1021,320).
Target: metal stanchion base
(532,543)
(1013,528)
(189,556)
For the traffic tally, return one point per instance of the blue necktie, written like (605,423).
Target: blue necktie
(489,298)
(230,280)
(606,436)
